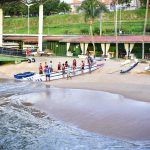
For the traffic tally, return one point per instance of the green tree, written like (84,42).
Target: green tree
(143,2)
(15,10)
(92,9)
(2,4)
(64,7)
(51,7)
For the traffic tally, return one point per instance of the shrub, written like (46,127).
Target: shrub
(84,31)
(96,31)
(148,29)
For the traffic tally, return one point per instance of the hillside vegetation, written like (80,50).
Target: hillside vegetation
(132,22)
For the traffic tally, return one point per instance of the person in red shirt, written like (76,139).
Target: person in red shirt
(59,66)
(27,52)
(66,64)
(40,69)
(74,65)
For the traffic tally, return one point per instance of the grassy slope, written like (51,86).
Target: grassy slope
(132,22)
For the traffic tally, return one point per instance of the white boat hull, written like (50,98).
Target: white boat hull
(59,75)
(147,68)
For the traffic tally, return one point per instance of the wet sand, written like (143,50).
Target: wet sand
(112,115)
(100,112)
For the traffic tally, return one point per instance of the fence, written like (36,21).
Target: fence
(13,52)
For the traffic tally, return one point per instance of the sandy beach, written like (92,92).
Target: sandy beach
(120,117)
(135,84)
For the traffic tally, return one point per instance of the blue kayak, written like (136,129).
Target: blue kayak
(23,75)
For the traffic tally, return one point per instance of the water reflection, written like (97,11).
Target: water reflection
(24,127)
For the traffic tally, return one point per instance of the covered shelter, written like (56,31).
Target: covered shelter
(105,44)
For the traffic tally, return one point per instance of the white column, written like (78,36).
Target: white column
(68,45)
(40,37)
(126,46)
(1,27)
(86,46)
(103,48)
(82,47)
(107,48)
(131,47)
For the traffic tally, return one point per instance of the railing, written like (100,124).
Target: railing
(13,52)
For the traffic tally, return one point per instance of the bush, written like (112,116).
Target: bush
(84,31)
(66,32)
(96,31)
(148,29)
(77,52)
(98,53)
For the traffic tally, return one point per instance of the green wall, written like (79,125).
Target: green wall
(58,48)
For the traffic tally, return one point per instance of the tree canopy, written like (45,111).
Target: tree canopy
(50,7)
(143,2)
(92,8)
(3,2)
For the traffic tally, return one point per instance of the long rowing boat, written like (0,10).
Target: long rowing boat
(59,75)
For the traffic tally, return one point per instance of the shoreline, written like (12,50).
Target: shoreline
(134,84)
(93,112)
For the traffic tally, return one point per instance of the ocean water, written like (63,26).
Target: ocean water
(22,127)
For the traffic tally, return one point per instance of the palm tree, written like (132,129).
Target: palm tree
(92,9)
(101,10)
(2,3)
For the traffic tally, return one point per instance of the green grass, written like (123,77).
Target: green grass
(132,23)
(7,58)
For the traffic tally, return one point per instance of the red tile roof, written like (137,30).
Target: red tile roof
(83,39)
(108,39)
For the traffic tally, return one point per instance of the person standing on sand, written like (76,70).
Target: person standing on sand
(82,66)
(74,65)
(63,70)
(66,64)
(89,63)
(27,51)
(59,66)
(45,66)
(47,73)
(69,72)
(51,66)
(40,69)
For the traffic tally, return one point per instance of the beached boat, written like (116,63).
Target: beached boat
(23,75)
(125,62)
(99,58)
(147,68)
(130,68)
(59,75)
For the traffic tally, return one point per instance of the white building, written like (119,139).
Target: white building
(74,4)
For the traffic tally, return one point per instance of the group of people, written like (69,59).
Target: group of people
(47,70)
(64,67)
